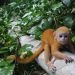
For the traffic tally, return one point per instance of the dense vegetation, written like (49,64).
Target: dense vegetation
(34,17)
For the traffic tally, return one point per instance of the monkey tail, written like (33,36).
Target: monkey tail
(11,57)
(27,60)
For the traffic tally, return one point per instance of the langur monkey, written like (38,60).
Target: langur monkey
(51,42)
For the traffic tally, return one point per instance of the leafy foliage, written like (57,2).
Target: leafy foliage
(34,17)
(26,47)
(6,68)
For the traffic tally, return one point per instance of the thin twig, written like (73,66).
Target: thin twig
(62,14)
(55,22)
(16,55)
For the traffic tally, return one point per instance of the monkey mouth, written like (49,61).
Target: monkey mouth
(62,42)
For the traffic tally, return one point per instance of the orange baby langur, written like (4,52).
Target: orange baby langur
(51,42)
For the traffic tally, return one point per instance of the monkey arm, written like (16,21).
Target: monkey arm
(59,54)
(47,58)
(47,53)
(55,51)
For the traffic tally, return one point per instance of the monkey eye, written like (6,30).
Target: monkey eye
(66,36)
(60,36)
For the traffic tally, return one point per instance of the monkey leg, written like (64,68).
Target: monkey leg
(47,58)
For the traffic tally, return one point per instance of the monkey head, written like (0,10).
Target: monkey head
(62,35)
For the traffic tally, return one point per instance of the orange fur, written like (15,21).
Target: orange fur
(48,41)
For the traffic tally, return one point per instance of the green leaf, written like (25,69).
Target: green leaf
(3,51)
(73,10)
(27,14)
(7,70)
(47,23)
(66,2)
(26,47)
(34,30)
(35,20)
(68,22)
(73,39)
(3,48)
(3,63)
(14,23)
(55,6)
(12,4)
(1,9)
(38,35)
(38,19)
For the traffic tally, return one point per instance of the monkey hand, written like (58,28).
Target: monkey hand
(51,66)
(68,59)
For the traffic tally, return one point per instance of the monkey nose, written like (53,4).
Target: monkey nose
(63,40)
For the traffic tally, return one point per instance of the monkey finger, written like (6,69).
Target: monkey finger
(65,61)
(52,70)
(53,61)
(72,59)
(69,59)
(53,66)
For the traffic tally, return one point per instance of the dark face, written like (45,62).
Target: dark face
(63,37)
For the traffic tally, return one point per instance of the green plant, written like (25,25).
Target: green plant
(34,17)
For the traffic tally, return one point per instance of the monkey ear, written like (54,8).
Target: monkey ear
(54,33)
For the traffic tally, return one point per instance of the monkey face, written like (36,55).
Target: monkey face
(63,37)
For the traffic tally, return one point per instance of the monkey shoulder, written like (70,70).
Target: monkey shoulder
(55,45)
(47,33)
